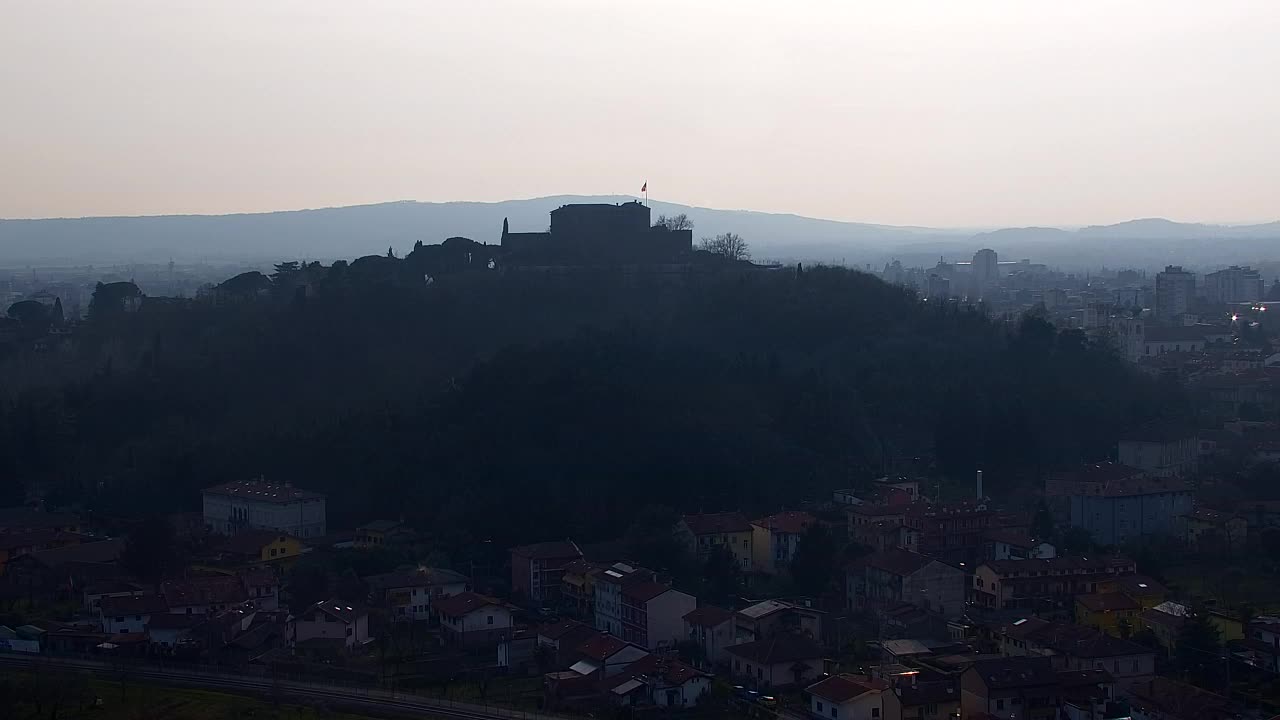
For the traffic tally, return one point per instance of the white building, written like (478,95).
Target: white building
(260,505)
(408,595)
(847,697)
(330,620)
(129,614)
(1175,291)
(1234,285)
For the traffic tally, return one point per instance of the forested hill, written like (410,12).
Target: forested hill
(511,407)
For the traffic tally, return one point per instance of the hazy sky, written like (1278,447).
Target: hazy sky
(954,112)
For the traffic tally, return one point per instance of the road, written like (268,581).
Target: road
(371,699)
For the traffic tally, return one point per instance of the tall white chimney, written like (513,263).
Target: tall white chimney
(979,486)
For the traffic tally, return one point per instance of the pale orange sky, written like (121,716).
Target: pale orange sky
(945,113)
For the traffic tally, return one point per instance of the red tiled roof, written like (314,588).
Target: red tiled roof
(1107,602)
(463,603)
(644,591)
(708,616)
(555,631)
(897,561)
(132,605)
(717,523)
(843,688)
(251,542)
(601,647)
(870,510)
(780,648)
(787,521)
(672,672)
(1009,537)
(221,589)
(1139,585)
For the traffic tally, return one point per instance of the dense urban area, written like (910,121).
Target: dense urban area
(605,470)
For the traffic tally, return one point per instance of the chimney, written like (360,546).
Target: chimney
(979,486)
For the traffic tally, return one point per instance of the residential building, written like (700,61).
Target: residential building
(1045,586)
(706,533)
(952,532)
(847,697)
(1089,695)
(713,629)
(22,519)
(658,681)
(1144,590)
(262,546)
(911,698)
(93,594)
(1160,340)
(1262,643)
(203,595)
(1161,452)
(653,614)
(1165,621)
(166,630)
(1113,613)
(1008,688)
(329,626)
(1001,544)
(129,613)
(1233,285)
(1163,698)
(893,576)
(537,570)
(1125,510)
(578,587)
(1228,529)
(873,515)
(608,611)
(604,656)
(17,544)
(770,617)
(882,536)
(780,661)
(263,587)
(774,540)
(562,640)
(408,595)
(381,533)
(472,620)
(1175,291)
(260,505)
(1076,647)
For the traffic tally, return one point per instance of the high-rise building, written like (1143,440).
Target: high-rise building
(1175,289)
(986,271)
(1233,285)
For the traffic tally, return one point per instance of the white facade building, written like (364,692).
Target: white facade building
(259,505)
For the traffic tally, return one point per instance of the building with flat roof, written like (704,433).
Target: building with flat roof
(598,234)
(260,505)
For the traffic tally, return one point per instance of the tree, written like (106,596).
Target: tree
(814,561)
(1076,540)
(1271,544)
(722,575)
(150,550)
(730,246)
(308,584)
(1125,628)
(1199,652)
(674,222)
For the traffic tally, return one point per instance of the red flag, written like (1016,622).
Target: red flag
(645,187)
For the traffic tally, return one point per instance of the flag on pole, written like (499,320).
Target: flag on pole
(645,186)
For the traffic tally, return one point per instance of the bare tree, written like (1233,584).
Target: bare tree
(729,245)
(675,222)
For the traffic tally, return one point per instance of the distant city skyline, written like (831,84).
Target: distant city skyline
(983,114)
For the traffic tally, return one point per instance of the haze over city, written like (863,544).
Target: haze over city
(984,113)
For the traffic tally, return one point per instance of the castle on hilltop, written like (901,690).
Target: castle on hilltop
(598,234)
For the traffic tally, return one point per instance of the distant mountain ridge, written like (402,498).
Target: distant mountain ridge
(353,231)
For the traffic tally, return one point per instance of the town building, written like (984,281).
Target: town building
(913,698)
(1144,590)
(609,583)
(653,614)
(578,587)
(952,533)
(1008,688)
(604,656)
(261,546)
(472,620)
(1047,587)
(771,617)
(260,505)
(329,627)
(846,696)
(129,613)
(658,682)
(713,629)
(203,595)
(262,586)
(1002,544)
(1234,285)
(537,570)
(1203,524)
(381,533)
(408,595)
(706,533)
(1175,292)
(1162,698)
(1113,613)
(774,540)
(893,576)
(562,640)
(93,594)
(781,661)
(1071,646)
(1160,340)
(1161,452)
(1123,510)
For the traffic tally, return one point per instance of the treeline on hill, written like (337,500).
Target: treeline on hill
(512,407)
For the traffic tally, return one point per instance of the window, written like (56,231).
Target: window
(875,712)
(820,708)
(489,620)
(931,709)
(138,618)
(1116,665)
(1000,704)
(348,631)
(120,619)
(273,552)
(835,712)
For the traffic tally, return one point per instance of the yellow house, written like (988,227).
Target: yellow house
(1230,529)
(704,533)
(578,584)
(1105,611)
(263,546)
(382,532)
(1144,590)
